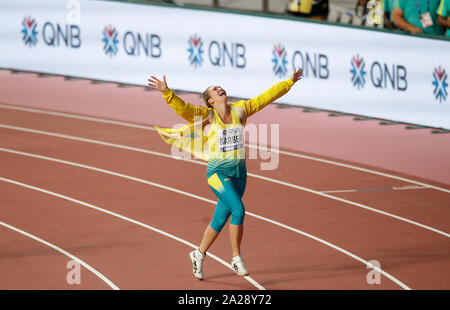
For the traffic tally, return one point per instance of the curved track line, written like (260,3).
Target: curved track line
(75,116)
(119,146)
(249,174)
(126,124)
(350,167)
(404,286)
(71,256)
(352,203)
(256,284)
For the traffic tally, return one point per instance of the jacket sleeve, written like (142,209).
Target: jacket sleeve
(258,103)
(186,110)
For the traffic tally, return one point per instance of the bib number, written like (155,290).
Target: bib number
(231,138)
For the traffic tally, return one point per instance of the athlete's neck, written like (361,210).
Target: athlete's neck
(224,112)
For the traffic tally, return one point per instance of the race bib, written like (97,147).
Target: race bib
(426,20)
(231,138)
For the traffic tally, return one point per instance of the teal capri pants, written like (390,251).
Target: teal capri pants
(229,191)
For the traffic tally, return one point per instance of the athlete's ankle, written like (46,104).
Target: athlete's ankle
(201,252)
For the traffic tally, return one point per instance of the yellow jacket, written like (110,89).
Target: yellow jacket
(204,145)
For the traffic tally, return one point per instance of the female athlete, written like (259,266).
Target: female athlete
(219,126)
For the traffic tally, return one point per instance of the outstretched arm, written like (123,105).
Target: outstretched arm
(184,109)
(258,103)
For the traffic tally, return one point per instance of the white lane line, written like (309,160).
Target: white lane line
(353,167)
(324,194)
(393,279)
(126,124)
(203,199)
(340,191)
(119,146)
(159,231)
(71,256)
(75,116)
(400,188)
(394,188)
(354,204)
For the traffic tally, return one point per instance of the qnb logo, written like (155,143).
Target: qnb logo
(110,41)
(53,34)
(134,43)
(29,31)
(279,60)
(440,84)
(220,54)
(195,51)
(358,72)
(314,65)
(137,44)
(382,75)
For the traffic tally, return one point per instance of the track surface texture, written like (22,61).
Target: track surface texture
(85,177)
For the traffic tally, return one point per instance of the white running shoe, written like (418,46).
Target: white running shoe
(237,263)
(197,258)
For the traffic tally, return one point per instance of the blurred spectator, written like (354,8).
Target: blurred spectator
(444,15)
(361,7)
(387,20)
(372,12)
(317,9)
(417,16)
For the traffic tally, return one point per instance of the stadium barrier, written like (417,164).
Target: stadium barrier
(348,69)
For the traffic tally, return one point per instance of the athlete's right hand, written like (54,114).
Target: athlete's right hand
(154,83)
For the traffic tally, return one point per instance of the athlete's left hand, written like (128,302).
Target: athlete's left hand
(297,75)
(155,83)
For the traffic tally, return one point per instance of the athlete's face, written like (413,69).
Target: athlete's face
(217,95)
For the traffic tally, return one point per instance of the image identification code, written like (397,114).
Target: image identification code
(246,300)
(233,299)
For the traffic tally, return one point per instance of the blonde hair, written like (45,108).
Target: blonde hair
(206,97)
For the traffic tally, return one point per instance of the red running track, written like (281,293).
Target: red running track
(110,195)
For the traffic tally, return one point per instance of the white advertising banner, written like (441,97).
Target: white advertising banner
(358,71)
